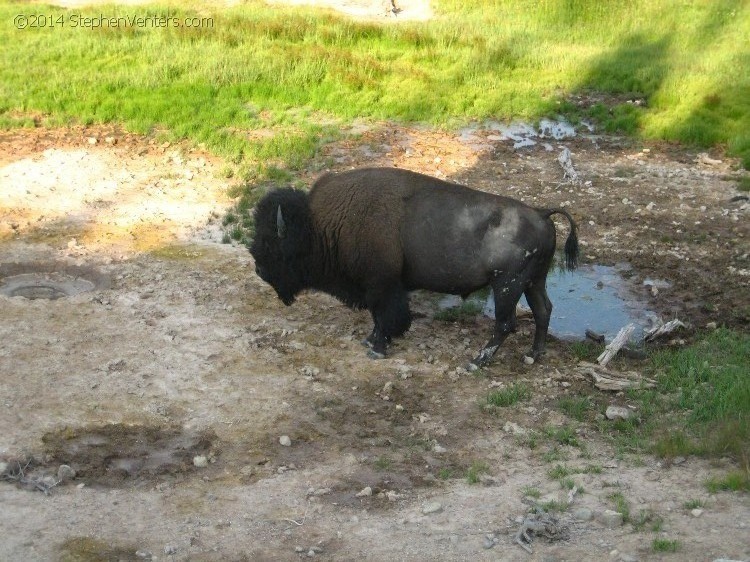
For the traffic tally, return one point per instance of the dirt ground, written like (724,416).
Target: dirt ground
(168,386)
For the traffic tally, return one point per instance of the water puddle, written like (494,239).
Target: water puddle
(594,297)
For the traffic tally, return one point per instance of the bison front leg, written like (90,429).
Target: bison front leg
(390,314)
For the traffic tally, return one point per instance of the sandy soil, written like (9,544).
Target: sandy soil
(168,386)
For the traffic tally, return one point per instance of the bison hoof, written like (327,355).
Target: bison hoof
(372,354)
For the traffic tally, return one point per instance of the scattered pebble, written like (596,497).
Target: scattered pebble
(627,557)
(697,512)
(514,428)
(170,549)
(432,507)
(528,360)
(144,554)
(711,326)
(285,441)
(365,492)
(489,541)
(437,448)
(200,461)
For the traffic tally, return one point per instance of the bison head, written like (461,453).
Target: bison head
(282,242)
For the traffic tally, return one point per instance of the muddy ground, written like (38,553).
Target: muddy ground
(167,382)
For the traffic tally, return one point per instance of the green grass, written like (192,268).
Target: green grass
(735,481)
(558,472)
(509,396)
(383,463)
(531,492)
(300,73)
(693,504)
(743,184)
(464,312)
(475,471)
(621,505)
(664,545)
(564,435)
(701,405)
(576,407)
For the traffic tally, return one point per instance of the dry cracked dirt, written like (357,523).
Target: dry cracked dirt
(152,361)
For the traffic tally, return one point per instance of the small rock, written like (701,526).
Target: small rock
(610,519)
(285,441)
(528,360)
(393,496)
(310,553)
(617,413)
(299,549)
(678,460)
(80,486)
(92,140)
(627,557)
(365,492)
(200,461)
(3,467)
(437,448)
(697,512)
(144,554)
(583,514)
(170,549)
(711,326)
(64,473)
(489,542)
(432,507)
(110,140)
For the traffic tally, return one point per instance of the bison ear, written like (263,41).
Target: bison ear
(280,225)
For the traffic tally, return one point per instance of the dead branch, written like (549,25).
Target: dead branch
(662,329)
(614,346)
(569,172)
(543,524)
(606,379)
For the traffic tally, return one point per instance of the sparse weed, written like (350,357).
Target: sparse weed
(509,396)
(577,407)
(464,312)
(621,505)
(383,463)
(693,504)
(445,474)
(531,492)
(558,472)
(737,481)
(476,470)
(664,545)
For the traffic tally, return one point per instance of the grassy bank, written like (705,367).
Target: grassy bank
(300,73)
(701,405)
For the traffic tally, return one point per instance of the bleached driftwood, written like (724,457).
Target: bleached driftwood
(662,329)
(614,346)
(605,379)
(569,172)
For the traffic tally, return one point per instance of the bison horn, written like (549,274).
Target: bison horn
(280,225)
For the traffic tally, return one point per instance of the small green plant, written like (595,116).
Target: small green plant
(644,517)
(576,407)
(744,184)
(476,470)
(554,505)
(558,472)
(567,483)
(509,396)
(531,492)
(621,505)
(383,463)
(592,469)
(555,454)
(585,350)
(466,311)
(736,481)
(445,474)
(693,504)
(664,545)
(565,435)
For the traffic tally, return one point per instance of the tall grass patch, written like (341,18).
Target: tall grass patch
(685,65)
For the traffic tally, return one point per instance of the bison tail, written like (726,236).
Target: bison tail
(571,244)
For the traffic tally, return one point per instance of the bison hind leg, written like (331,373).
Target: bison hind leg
(541,308)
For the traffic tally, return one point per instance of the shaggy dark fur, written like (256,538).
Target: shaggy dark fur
(370,236)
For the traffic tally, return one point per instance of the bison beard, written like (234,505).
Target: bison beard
(370,236)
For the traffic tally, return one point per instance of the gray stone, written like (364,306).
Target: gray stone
(627,557)
(610,519)
(200,461)
(583,514)
(617,413)
(170,549)
(432,507)
(697,512)
(65,473)
(285,441)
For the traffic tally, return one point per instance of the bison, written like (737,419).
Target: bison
(369,236)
